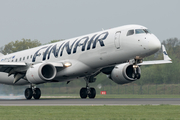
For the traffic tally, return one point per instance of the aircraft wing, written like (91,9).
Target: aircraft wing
(22,66)
(167,59)
(19,68)
(7,66)
(12,64)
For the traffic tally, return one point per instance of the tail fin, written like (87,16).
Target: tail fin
(165,55)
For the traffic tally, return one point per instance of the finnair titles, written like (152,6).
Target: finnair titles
(77,43)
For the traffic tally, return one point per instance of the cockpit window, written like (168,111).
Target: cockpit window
(146,31)
(130,32)
(139,31)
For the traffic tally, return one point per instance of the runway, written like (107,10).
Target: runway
(89,102)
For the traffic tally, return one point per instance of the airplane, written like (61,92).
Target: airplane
(116,52)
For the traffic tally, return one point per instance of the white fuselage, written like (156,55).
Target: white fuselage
(89,53)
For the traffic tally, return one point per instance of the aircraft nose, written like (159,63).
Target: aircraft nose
(155,44)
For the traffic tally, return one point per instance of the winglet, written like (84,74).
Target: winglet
(165,55)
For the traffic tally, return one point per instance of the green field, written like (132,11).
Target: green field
(142,112)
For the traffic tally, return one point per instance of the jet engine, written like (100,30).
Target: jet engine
(125,73)
(40,73)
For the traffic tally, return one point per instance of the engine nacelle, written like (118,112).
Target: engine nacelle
(41,73)
(124,73)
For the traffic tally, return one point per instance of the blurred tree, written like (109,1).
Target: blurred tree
(19,45)
(53,41)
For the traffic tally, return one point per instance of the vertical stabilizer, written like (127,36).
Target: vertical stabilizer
(165,55)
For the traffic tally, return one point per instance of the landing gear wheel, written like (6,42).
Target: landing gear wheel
(37,93)
(83,93)
(133,75)
(28,93)
(92,93)
(138,75)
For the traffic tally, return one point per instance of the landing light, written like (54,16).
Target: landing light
(135,66)
(67,64)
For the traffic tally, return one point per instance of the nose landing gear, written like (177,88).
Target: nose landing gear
(136,73)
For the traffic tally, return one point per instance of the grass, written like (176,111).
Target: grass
(142,112)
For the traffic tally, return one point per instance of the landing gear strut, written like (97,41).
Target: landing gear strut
(88,91)
(32,92)
(136,74)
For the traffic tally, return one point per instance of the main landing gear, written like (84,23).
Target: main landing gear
(32,92)
(88,91)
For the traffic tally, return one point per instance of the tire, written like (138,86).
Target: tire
(83,93)
(28,93)
(133,75)
(138,75)
(37,94)
(92,94)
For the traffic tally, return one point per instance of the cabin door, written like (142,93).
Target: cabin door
(117,40)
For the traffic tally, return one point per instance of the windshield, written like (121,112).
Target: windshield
(139,31)
(147,31)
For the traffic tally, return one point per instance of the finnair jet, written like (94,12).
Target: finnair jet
(116,52)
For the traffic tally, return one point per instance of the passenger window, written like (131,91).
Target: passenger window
(27,57)
(139,31)
(20,59)
(31,56)
(12,60)
(130,32)
(16,60)
(23,58)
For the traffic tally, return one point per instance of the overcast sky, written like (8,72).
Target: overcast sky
(47,20)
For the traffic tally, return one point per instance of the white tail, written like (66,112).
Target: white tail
(165,55)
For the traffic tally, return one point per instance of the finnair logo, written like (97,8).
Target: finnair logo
(165,53)
(84,43)
(10,58)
